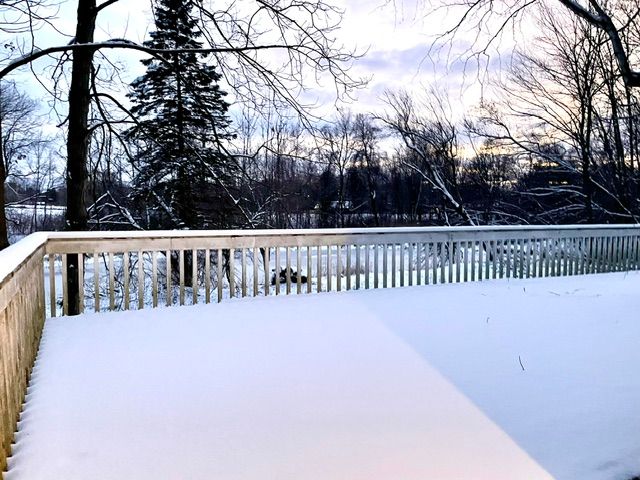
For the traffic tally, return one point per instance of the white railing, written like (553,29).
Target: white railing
(135,270)
(21,320)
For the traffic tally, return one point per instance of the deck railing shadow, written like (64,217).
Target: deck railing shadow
(51,274)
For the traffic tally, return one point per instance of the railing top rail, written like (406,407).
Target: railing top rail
(12,257)
(326,231)
(15,255)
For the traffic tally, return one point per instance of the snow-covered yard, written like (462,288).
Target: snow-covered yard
(519,379)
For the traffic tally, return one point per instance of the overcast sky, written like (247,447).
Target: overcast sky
(395,35)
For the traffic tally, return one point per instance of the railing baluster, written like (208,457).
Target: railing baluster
(419,254)
(621,254)
(366,265)
(484,260)
(52,284)
(393,266)
(472,262)
(154,277)
(65,289)
(533,257)
(309,268)
(443,262)
(256,254)
(181,273)
(494,262)
(288,271)
(521,244)
(402,269)
(451,259)
(96,282)
(348,267)
(319,269)
(385,266)
(277,270)
(375,265)
(456,257)
(207,275)
(511,260)
(554,257)
(410,260)
(465,261)
(194,276)
(629,249)
(527,257)
(358,267)
(298,271)
(169,292)
(338,268)
(81,282)
(266,261)
(112,287)
(141,279)
(219,274)
(232,272)
(244,272)
(541,246)
(433,255)
(125,267)
(329,269)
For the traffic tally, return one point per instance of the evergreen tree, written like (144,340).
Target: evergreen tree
(182,174)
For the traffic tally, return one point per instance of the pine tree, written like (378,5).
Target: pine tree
(182,122)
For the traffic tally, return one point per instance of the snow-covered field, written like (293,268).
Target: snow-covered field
(519,379)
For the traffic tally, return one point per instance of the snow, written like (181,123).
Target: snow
(335,231)
(521,379)
(14,255)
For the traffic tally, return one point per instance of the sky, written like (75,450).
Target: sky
(397,40)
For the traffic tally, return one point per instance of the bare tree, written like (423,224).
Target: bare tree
(551,110)
(367,159)
(337,148)
(17,136)
(431,143)
(616,20)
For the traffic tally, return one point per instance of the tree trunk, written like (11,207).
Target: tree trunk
(78,140)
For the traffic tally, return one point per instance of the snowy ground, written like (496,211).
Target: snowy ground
(520,379)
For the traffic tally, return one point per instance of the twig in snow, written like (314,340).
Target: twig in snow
(521,365)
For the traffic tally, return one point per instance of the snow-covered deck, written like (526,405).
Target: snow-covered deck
(520,379)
